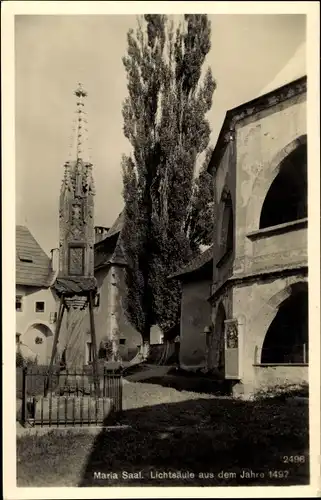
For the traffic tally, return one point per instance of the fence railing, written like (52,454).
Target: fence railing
(288,355)
(71,398)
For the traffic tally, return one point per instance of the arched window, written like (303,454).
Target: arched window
(286,200)
(286,340)
(220,331)
(227,229)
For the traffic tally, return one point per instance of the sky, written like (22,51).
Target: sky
(250,55)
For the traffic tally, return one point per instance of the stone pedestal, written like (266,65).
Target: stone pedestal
(67,409)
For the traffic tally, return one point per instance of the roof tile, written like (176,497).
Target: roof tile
(37,272)
(196,263)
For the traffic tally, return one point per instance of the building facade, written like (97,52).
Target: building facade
(259,295)
(111,322)
(194,339)
(36,306)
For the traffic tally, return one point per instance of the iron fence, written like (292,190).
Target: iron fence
(71,398)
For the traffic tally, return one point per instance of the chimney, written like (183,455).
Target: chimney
(100,233)
(54,252)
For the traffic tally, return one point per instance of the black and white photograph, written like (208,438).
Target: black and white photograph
(162,260)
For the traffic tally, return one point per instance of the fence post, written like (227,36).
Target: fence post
(304,354)
(24,395)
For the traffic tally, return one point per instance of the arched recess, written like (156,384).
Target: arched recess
(260,323)
(265,179)
(227,224)
(286,340)
(37,341)
(286,200)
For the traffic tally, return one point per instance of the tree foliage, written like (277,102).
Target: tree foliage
(167,207)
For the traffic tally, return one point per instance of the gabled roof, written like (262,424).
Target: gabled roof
(196,264)
(33,266)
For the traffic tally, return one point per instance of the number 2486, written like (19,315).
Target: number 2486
(293,459)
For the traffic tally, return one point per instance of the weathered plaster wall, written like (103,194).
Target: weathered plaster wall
(103,313)
(262,142)
(266,377)
(132,337)
(280,250)
(224,179)
(195,315)
(110,313)
(262,300)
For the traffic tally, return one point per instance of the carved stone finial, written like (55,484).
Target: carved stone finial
(80,148)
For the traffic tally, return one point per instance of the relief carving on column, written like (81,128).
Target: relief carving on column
(76,261)
(231,333)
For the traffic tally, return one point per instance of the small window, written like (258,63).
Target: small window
(97,300)
(25,257)
(19,303)
(40,307)
(18,338)
(122,341)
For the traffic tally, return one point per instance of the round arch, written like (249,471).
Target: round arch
(286,340)
(36,341)
(264,181)
(268,312)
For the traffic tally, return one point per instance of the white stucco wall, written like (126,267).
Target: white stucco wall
(28,319)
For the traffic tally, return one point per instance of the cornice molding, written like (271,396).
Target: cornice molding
(245,110)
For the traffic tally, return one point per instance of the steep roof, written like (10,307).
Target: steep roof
(109,252)
(110,249)
(196,264)
(117,226)
(33,266)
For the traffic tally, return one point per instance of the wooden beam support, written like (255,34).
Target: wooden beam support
(93,342)
(55,343)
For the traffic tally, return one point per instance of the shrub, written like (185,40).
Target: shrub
(21,361)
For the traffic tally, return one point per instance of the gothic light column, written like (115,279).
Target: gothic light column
(77,236)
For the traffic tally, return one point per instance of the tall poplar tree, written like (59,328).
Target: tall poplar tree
(166,210)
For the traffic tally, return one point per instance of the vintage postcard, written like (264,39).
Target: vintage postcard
(161,242)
